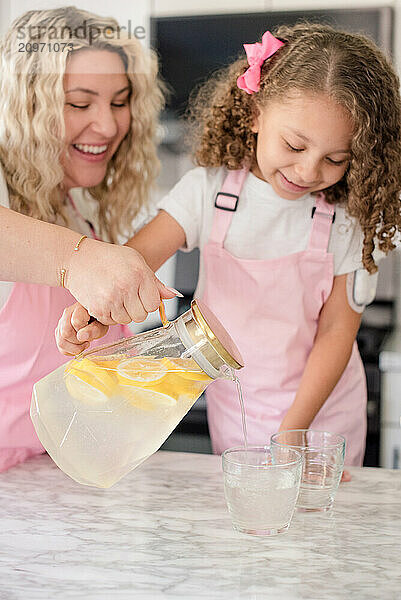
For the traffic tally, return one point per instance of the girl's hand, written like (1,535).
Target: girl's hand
(114,283)
(74,332)
(346,476)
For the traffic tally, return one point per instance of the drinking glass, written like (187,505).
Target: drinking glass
(323,461)
(261,490)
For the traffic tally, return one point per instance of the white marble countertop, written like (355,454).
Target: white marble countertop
(164,532)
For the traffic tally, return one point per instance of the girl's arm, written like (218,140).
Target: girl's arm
(112,282)
(337,329)
(156,242)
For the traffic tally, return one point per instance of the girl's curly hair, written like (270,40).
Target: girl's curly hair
(32,122)
(351,70)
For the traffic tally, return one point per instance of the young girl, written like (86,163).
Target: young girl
(83,118)
(299,150)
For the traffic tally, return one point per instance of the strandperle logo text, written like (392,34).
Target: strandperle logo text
(81,32)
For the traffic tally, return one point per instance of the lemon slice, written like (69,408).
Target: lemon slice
(109,364)
(146,399)
(83,391)
(186,368)
(88,382)
(141,371)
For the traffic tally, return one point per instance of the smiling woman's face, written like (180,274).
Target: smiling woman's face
(96,115)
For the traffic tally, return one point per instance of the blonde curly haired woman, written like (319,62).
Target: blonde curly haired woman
(75,112)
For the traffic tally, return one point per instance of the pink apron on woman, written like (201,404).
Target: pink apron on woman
(28,352)
(271,309)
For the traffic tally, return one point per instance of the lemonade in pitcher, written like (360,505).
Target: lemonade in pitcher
(109,409)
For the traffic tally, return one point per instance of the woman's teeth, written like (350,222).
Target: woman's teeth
(91,149)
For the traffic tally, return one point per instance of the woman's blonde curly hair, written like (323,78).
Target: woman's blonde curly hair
(32,122)
(354,73)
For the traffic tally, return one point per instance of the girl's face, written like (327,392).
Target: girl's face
(303,144)
(96,115)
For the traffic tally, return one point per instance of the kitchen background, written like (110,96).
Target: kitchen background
(190,39)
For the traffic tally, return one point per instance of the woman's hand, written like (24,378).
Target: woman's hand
(75,330)
(114,283)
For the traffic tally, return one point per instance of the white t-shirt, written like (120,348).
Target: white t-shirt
(86,206)
(264,226)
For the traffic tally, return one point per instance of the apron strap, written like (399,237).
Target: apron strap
(323,215)
(226,203)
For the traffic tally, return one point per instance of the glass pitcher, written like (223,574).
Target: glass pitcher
(107,410)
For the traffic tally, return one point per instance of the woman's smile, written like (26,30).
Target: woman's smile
(91,152)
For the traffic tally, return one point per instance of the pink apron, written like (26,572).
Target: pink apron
(271,309)
(28,352)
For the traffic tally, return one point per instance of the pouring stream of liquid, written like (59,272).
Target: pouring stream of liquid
(241,402)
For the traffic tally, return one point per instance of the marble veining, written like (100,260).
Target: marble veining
(164,532)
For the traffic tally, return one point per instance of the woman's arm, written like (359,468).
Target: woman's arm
(33,251)
(156,242)
(337,329)
(112,282)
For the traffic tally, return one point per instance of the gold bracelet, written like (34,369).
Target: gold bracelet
(63,271)
(81,239)
(62,277)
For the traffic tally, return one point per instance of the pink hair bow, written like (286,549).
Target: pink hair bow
(257,54)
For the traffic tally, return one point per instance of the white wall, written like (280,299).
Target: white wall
(175,7)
